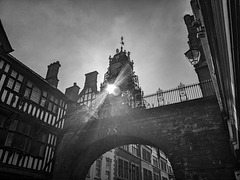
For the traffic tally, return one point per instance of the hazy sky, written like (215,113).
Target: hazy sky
(81,34)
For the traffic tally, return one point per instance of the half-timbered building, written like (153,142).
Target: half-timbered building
(32,113)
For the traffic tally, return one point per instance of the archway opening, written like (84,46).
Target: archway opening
(133,162)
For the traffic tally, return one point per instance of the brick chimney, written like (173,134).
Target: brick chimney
(91,80)
(52,73)
(72,92)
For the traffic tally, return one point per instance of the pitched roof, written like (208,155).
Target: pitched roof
(4,42)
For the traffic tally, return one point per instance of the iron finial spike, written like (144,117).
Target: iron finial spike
(122,43)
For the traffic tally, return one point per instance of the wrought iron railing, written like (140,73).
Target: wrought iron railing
(179,94)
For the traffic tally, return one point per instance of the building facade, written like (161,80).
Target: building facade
(216,24)
(103,167)
(32,113)
(132,162)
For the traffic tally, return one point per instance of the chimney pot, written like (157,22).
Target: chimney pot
(52,73)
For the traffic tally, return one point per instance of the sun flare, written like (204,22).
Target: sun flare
(111,88)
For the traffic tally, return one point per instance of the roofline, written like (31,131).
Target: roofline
(36,75)
(6,42)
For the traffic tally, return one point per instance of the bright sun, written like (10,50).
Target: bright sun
(111,88)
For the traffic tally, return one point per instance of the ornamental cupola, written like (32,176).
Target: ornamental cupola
(120,74)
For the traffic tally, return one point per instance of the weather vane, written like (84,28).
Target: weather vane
(122,43)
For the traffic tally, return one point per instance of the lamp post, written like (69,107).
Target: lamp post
(193,56)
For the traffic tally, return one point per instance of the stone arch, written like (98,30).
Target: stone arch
(84,158)
(191,133)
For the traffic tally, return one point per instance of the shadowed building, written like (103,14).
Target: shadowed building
(216,25)
(32,113)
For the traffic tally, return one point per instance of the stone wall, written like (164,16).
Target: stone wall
(191,133)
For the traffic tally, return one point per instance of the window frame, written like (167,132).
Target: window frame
(125,173)
(14,81)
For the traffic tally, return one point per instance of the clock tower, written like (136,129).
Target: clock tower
(121,83)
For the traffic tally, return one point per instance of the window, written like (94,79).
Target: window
(120,167)
(155,161)
(43,99)
(15,81)
(98,167)
(2,120)
(125,147)
(7,68)
(28,90)
(146,155)
(10,83)
(14,74)
(125,172)
(135,150)
(35,95)
(2,129)
(23,137)
(37,148)
(108,164)
(135,172)
(18,136)
(108,175)
(163,165)
(170,171)
(1,64)
(155,176)
(123,168)
(108,168)
(32,93)
(147,174)
(2,80)
(38,143)
(52,105)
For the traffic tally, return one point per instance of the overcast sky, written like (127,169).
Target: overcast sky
(81,34)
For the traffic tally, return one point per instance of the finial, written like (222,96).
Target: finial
(122,43)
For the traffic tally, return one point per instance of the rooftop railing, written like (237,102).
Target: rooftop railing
(179,94)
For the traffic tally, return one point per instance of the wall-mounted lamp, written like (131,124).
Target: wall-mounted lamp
(193,55)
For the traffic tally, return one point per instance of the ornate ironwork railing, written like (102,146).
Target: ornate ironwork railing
(179,94)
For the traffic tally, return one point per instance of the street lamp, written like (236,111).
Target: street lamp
(193,55)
